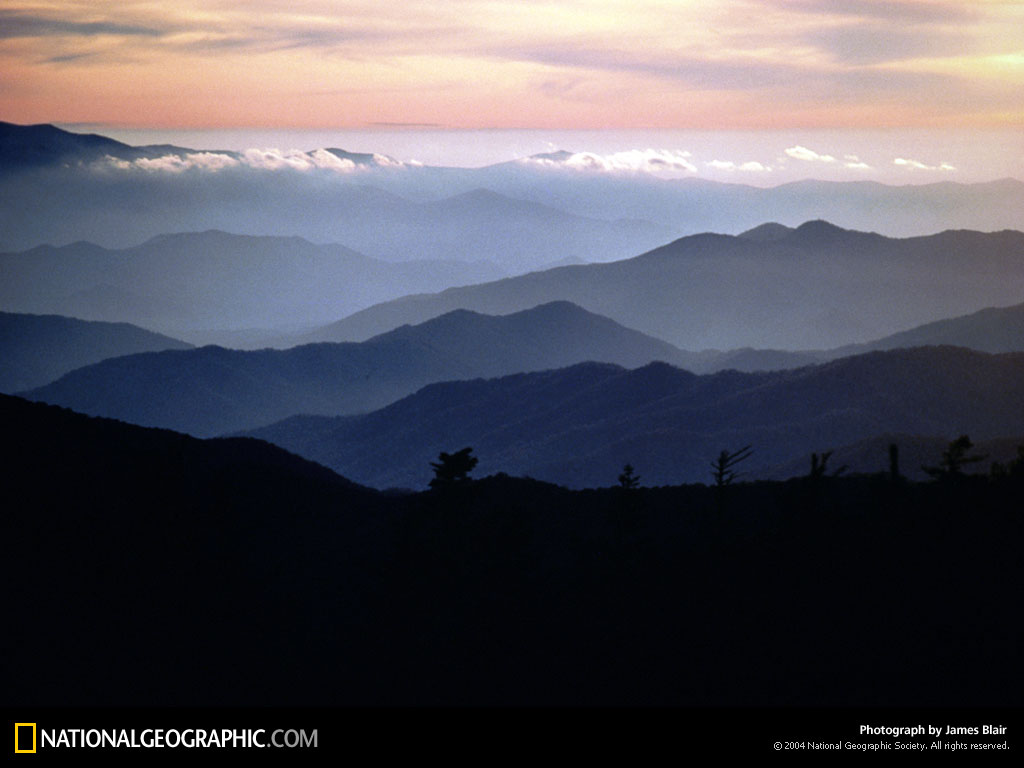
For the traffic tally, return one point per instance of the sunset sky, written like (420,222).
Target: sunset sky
(680,65)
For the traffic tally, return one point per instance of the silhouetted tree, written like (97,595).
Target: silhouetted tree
(722,467)
(954,459)
(894,462)
(819,465)
(1013,469)
(628,479)
(453,468)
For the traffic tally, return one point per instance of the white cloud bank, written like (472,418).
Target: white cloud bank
(207,161)
(633,160)
(751,166)
(917,165)
(808,155)
(851,162)
(261,159)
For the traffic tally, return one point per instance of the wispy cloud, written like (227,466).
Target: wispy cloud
(706,63)
(808,155)
(917,11)
(634,161)
(66,58)
(19,24)
(917,165)
(255,158)
(751,166)
(876,43)
(207,161)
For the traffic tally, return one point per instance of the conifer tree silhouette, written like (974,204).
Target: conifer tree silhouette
(628,479)
(452,468)
(954,459)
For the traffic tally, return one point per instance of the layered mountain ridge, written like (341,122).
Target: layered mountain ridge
(578,426)
(212,390)
(815,287)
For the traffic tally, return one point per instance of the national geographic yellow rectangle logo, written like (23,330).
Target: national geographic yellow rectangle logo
(24,735)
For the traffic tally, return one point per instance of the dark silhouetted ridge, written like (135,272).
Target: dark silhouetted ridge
(580,425)
(153,569)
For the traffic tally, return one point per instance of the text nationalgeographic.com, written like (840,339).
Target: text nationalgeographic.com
(26,741)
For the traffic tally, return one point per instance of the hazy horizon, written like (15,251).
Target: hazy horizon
(898,91)
(757,158)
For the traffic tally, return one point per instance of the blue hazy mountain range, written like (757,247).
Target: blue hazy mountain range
(36,349)
(64,187)
(212,390)
(180,283)
(100,194)
(812,287)
(932,392)
(578,426)
(817,286)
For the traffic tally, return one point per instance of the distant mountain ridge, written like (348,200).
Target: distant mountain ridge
(696,204)
(70,187)
(39,146)
(394,210)
(817,286)
(212,390)
(993,329)
(25,147)
(213,279)
(36,349)
(578,426)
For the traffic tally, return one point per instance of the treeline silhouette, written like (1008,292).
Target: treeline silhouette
(152,568)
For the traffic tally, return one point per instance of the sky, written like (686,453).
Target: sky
(742,66)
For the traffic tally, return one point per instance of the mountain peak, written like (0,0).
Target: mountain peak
(819,232)
(819,227)
(32,146)
(768,232)
(557,308)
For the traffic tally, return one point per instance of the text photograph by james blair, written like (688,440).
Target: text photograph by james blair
(492,361)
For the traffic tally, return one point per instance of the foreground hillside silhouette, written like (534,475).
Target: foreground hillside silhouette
(153,568)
